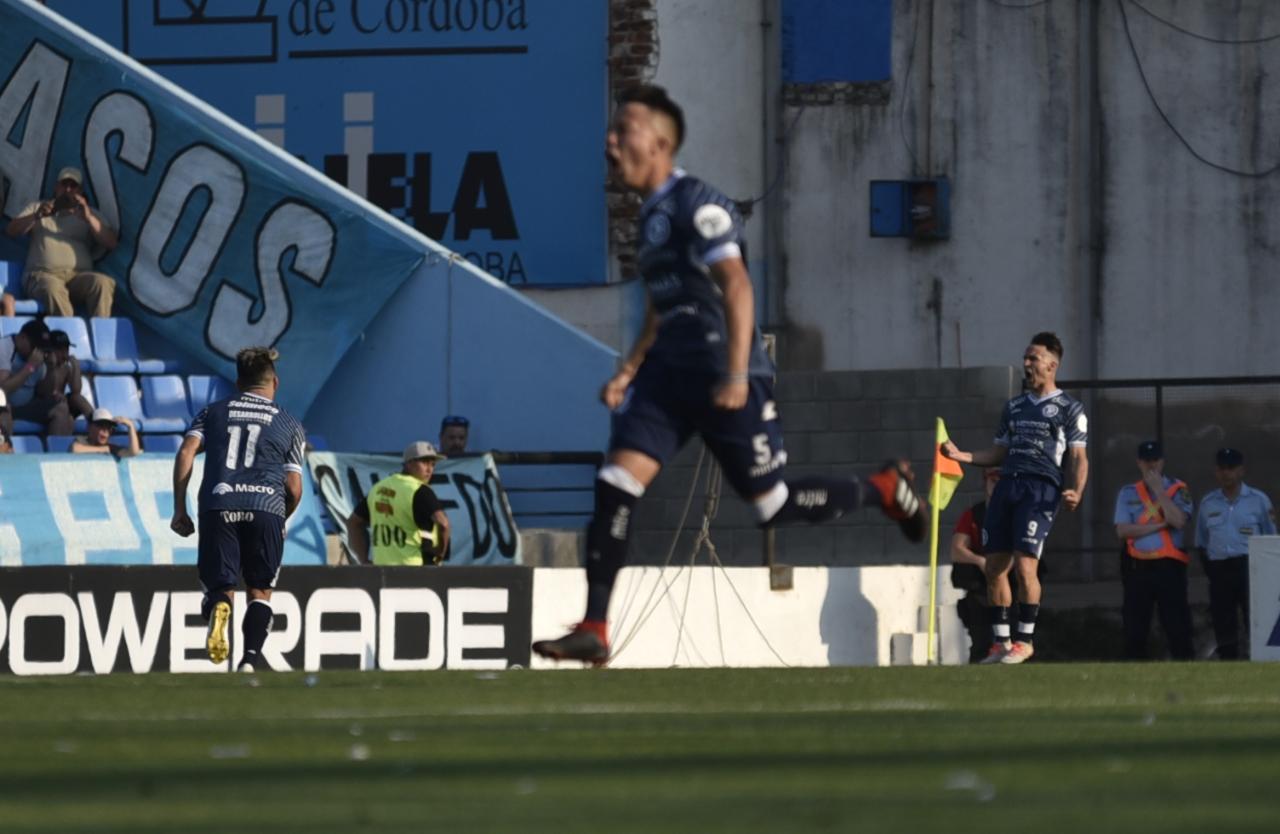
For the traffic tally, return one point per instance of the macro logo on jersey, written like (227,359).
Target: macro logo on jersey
(249,445)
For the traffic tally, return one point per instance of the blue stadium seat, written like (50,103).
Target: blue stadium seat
(12,324)
(205,389)
(164,402)
(78,332)
(59,443)
(27,427)
(115,344)
(11,282)
(162,443)
(120,396)
(27,444)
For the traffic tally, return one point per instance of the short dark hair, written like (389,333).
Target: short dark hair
(1050,342)
(454,420)
(655,98)
(255,366)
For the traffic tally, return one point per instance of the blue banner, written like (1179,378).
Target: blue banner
(225,241)
(479,122)
(482,530)
(95,510)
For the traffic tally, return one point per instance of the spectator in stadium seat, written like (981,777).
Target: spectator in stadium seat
(454,430)
(62,377)
(1228,517)
(968,569)
(67,236)
(5,446)
(97,441)
(8,305)
(409,524)
(22,367)
(1150,517)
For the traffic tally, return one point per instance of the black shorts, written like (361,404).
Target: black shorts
(240,543)
(1019,515)
(665,405)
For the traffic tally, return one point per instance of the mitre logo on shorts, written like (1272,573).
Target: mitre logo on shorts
(222,488)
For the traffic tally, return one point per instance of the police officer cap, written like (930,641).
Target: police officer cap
(1230,458)
(1150,450)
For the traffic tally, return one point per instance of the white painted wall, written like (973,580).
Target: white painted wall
(730,617)
(1075,207)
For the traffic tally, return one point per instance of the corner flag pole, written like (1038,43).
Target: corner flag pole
(946,477)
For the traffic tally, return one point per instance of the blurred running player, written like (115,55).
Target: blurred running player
(697,367)
(252,483)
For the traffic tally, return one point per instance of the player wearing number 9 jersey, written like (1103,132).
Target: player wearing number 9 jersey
(252,483)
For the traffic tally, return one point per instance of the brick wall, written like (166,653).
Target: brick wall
(633,59)
(834,423)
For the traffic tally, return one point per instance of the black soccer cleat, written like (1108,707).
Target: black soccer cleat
(587,642)
(899,501)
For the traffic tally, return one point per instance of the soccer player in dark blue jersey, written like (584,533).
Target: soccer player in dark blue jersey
(1041,446)
(697,367)
(252,483)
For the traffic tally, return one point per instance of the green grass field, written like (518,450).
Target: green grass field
(1048,748)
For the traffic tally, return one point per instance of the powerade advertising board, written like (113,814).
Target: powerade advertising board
(479,122)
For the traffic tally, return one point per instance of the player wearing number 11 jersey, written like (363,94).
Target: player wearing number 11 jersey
(252,483)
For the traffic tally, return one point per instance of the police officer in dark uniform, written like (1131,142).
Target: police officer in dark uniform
(1150,517)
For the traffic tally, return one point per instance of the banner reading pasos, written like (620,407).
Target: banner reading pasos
(482,530)
(225,241)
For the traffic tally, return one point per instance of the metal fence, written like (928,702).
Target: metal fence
(1192,418)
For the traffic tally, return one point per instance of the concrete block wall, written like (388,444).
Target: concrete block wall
(834,422)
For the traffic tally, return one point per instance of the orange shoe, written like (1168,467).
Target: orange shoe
(995,654)
(899,501)
(588,642)
(1019,652)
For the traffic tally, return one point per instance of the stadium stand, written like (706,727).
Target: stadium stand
(11,282)
(203,389)
(115,345)
(27,444)
(12,324)
(58,443)
(78,332)
(161,443)
(164,403)
(120,396)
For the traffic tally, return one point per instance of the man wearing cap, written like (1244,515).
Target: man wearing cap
(62,377)
(1228,517)
(22,367)
(1150,517)
(67,236)
(408,521)
(96,440)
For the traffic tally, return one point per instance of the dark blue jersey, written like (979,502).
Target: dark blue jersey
(249,445)
(686,226)
(1037,433)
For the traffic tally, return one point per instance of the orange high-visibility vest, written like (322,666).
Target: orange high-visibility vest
(1151,512)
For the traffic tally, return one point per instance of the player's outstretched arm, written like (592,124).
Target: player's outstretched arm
(994,456)
(183,462)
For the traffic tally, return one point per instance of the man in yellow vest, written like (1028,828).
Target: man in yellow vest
(408,524)
(1150,517)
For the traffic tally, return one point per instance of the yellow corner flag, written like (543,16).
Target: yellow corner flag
(946,477)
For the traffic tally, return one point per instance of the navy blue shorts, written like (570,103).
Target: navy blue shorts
(236,543)
(665,405)
(1019,515)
